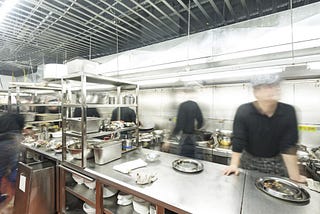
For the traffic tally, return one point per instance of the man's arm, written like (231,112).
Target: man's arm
(291,162)
(234,164)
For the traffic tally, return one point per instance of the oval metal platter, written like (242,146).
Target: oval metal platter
(187,165)
(283,189)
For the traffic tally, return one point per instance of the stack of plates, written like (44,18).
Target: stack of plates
(124,199)
(109,191)
(88,209)
(78,179)
(140,206)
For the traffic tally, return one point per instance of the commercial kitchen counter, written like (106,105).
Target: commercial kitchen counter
(255,201)
(205,192)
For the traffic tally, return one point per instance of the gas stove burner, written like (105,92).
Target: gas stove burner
(313,167)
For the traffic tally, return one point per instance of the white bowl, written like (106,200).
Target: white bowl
(152,156)
(88,209)
(124,202)
(152,210)
(109,191)
(90,184)
(124,199)
(123,195)
(78,179)
(140,206)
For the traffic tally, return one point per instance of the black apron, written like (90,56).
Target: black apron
(272,166)
(187,145)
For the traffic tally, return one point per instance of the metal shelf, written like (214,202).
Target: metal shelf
(110,205)
(99,79)
(99,134)
(83,193)
(35,105)
(92,105)
(43,121)
(33,86)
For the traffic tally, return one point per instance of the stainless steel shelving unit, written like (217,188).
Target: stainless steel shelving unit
(83,83)
(31,89)
(68,84)
(34,172)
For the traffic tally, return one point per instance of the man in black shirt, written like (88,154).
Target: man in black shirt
(91,112)
(265,132)
(188,113)
(126,114)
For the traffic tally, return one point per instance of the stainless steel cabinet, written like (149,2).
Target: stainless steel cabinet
(35,188)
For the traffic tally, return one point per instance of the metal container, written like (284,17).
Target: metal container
(111,100)
(107,152)
(76,151)
(44,117)
(128,99)
(93,124)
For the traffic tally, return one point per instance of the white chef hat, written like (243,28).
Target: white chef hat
(265,79)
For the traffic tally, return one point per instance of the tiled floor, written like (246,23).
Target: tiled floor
(8,209)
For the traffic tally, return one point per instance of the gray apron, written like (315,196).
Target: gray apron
(272,166)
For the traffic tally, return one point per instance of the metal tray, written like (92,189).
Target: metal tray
(187,165)
(282,189)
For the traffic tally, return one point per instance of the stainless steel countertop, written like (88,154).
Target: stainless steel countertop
(205,192)
(256,201)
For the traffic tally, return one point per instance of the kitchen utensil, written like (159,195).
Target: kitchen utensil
(187,165)
(282,188)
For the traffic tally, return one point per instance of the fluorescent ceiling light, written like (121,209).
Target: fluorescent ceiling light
(159,81)
(231,74)
(6,7)
(211,76)
(314,65)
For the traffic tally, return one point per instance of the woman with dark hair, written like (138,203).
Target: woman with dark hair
(11,126)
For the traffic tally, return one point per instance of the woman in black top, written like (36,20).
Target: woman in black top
(265,133)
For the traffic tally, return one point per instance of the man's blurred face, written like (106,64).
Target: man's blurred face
(267,93)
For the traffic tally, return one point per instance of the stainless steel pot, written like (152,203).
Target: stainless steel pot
(112,100)
(128,99)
